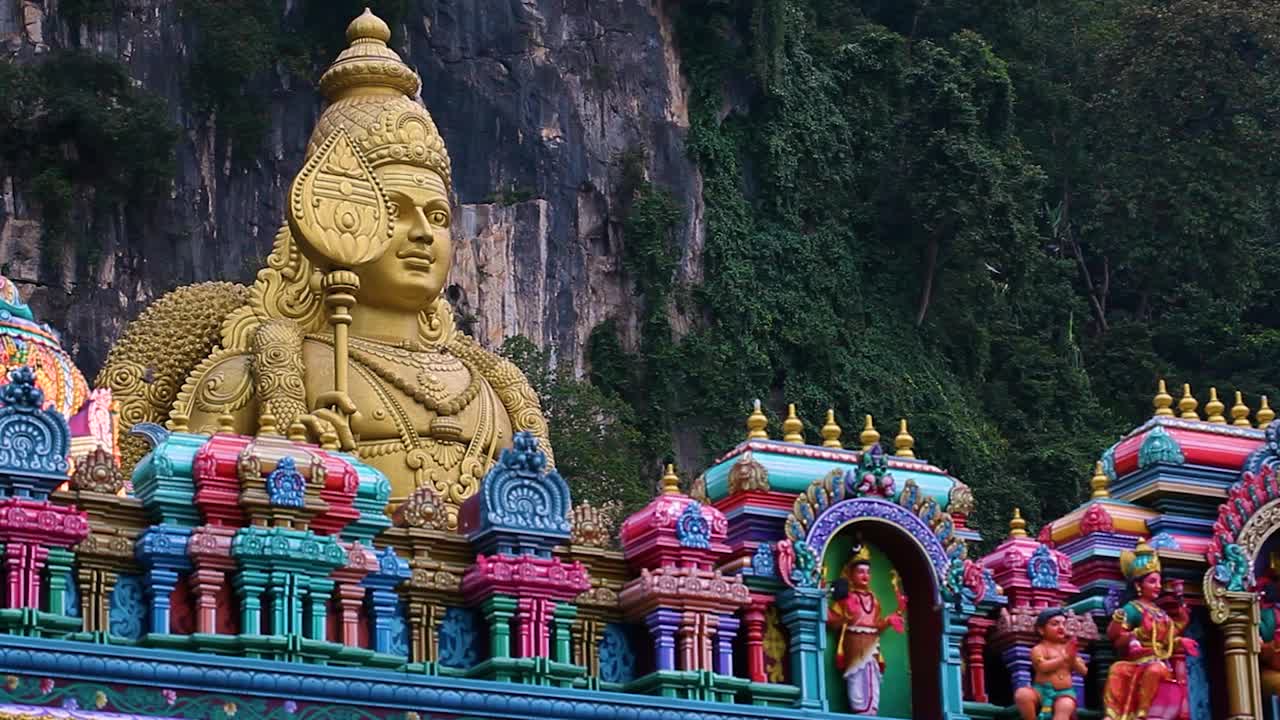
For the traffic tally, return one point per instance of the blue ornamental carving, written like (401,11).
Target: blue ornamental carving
(522,506)
(128,612)
(1164,541)
(1042,569)
(72,598)
(459,639)
(692,529)
(1233,569)
(762,563)
(285,485)
(33,441)
(400,631)
(617,660)
(1159,447)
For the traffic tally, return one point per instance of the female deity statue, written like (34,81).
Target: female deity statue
(354,280)
(855,614)
(1142,683)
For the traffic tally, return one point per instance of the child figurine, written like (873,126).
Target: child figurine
(1054,659)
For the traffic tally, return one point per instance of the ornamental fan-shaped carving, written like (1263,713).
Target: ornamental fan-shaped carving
(33,441)
(521,494)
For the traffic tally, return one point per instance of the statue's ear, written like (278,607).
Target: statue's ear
(338,212)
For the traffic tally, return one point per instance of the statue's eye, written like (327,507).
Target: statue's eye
(395,209)
(439,218)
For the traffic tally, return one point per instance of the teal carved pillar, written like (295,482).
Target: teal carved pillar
(803,611)
(284,603)
(562,634)
(59,568)
(250,585)
(498,611)
(318,592)
(955,626)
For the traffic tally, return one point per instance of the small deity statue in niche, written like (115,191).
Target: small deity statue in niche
(855,613)
(1054,659)
(1269,629)
(1145,634)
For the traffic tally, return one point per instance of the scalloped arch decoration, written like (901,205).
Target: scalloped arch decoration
(1250,514)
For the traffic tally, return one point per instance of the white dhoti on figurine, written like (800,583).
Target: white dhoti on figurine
(862,681)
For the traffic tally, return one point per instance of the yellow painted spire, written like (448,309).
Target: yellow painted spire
(1017,526)
(869,435)
(831,431)
(756,424)
(792,427)
(1240,411)
(1099,482)
(1162,401)
(1265,413)
(904,443)
(1213,409)
(1188,404)
(226,423)
(670,481)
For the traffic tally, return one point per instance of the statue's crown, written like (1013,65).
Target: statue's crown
(372,94)
(1140,561)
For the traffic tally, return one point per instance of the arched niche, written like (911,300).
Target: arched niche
(899,541)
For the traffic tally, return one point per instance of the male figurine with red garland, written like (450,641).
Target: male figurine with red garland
(855,613)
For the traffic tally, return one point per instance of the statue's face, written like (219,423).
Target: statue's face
(412,272)
(1055,629)
(1149,586)
(860,578)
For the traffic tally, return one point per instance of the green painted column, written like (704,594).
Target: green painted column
(803,611)
(562,638)
(58,567)
(318,592)
(250,585)
(954,627)
(498,610)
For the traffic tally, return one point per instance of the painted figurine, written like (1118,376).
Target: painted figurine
(1269,629)
(1142,684)
(855,613)
(1054,659)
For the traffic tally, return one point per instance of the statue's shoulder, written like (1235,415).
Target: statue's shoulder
(508,383)
(146,367)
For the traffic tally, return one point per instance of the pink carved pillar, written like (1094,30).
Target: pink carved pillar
(23,563)
(975,671)
(210,551)
(350,597)
(205,583)
(754,620)
(533,620)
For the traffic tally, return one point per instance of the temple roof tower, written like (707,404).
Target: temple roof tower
(24,341)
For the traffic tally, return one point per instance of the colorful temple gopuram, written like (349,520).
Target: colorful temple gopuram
(316,498)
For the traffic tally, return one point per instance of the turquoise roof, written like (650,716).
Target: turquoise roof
(792,467)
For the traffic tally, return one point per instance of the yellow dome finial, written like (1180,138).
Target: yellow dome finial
(1017,526)
(1162,401)
(1213,409)
(1188,404)
(1240,412)
(1099,482)
(792,427)
(1265,414)
(831,431)
(368,27)
(756,424)
(670,481)
(903,443)
(869,435)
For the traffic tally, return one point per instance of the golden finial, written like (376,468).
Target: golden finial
(368,27)
(831,431)
(1214,408)
(792,427)
(1188,404)
(226,423)
(297,432)
(1099,482)
(178,421)
(903,443)
(1240,411)
(267,424)
(670,481)
(1163,401)
(756,424)
(1017,526)
(328,439)
(1265,413)
(869,435)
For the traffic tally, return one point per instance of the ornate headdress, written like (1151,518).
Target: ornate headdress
(1139,562)
(862,554)
(371,94)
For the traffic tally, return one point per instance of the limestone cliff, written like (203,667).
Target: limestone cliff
(539,101)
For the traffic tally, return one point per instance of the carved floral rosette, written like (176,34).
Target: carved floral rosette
(41,522)
(524,576)
(684,588)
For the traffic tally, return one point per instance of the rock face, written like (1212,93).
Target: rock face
(539,102)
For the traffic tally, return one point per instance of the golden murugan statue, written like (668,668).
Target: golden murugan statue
(344,338)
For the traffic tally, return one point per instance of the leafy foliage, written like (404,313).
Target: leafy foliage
(73,124)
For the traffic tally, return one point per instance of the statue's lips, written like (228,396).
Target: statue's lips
(417,263)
